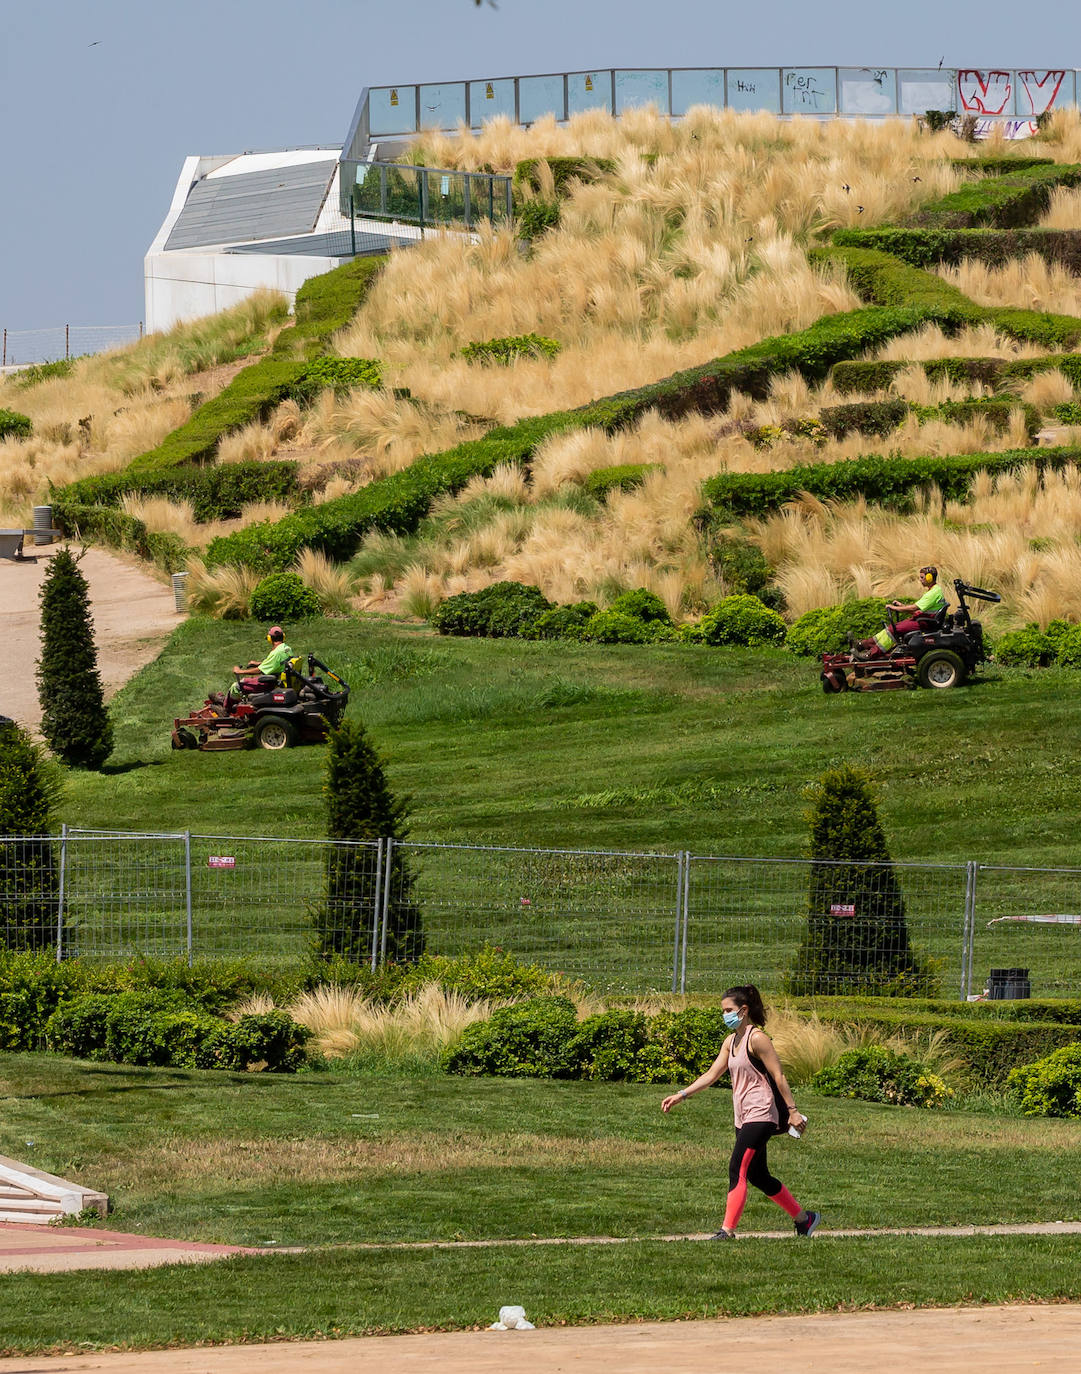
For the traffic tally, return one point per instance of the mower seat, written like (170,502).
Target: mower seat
(283,696)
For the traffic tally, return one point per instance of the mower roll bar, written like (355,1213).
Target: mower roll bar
(964,589)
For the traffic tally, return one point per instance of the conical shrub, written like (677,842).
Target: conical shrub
(29,873)
(74,720)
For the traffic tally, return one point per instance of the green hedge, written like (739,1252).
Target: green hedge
(1009,200)
(994,247)
(325,304)
(217,492)
(504,351)
(861,375)
(882,481)
(14,425)
(621,477)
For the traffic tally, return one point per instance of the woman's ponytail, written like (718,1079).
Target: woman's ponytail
(747,995)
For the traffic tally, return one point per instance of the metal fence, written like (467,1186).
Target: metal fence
(19,347)
(623,921)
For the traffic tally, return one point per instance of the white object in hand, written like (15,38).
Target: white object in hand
(796,1131)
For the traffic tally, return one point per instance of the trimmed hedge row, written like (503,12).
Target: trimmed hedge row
(883,481)
(1009,200)
(216,492)
(885,280)
(119,530)
(994,247)
(876,375)
(879,418)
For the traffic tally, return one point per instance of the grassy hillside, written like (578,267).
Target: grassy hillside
(664,747)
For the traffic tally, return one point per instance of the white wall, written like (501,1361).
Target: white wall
(186,285)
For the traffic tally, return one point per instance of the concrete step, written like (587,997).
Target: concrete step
(22,1205)
(31,1195)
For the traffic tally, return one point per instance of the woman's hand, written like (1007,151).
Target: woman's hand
(796,1120)
(670,1102)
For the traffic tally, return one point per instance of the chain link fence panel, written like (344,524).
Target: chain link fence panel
(1026,932)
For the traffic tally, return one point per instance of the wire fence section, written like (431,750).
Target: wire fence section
(50,344)
(622,921)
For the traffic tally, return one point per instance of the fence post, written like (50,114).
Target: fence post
(67,341)
(187,888)
(377,903)
(968,936)
(686,920)
(385,917)
(353,226)
(61,893)
(679,920)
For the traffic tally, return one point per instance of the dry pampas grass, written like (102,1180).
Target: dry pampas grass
(1029,283)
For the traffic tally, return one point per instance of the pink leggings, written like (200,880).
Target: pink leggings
(748,1165)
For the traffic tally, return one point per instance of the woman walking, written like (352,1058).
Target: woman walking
(762,1104)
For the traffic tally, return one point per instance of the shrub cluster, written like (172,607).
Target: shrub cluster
(1015,197)
(162,1027)
(877,1074)
(283,596)
(826,630)
(621,477)
(1051,1086)
(1031,647)
(536,217)
(13,425)
(340,374)
(503,610)
(993,247)
(505,351)
(738,620)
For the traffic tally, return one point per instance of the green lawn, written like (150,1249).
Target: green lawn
(323,1158)
(630,748)
(342,1293)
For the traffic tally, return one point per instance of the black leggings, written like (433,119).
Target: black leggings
(753,1136)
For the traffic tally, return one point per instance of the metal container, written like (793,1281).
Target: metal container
(180,591)
(1004,984)
(43,525)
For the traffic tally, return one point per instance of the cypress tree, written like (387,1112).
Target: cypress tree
(360,806)
(856,939)
(29,875)
(74,720)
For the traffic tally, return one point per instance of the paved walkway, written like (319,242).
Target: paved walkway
(940,1341)
(133,616)
(51,1248)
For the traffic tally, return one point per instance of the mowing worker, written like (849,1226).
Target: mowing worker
(930,603)
(271,666)
(762,1104)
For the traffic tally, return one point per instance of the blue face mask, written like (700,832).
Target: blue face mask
(731,1019)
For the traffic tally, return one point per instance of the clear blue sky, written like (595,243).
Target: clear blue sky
(92,137)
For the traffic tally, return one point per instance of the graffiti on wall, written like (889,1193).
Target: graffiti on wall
(992,92)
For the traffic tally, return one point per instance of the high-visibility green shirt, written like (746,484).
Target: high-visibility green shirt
(932,601)
(275,661)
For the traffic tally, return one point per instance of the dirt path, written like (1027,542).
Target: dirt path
(133,616)
(946,1341)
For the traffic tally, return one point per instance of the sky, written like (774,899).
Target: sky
(101,100)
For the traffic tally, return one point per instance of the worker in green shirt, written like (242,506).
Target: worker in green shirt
(271,666)
(930,603)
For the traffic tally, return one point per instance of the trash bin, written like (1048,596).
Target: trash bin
(1006,983)
(43,524)
(180,591)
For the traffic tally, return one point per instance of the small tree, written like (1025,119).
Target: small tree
(360,806)
(29,793)
(857,935)
(74,720)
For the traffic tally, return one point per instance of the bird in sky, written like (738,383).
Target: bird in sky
(917,178)
(96,43)
(859,209)
(845,187)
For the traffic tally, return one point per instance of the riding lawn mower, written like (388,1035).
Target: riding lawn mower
(271,713)
(940,654)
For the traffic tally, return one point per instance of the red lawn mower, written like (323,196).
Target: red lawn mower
(272,713)
(942,653)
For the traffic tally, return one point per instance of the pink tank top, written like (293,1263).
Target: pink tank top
(752,1090)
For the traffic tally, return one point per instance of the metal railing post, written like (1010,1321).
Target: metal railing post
(679,920)
(187,890)
(968,934)
(353,226)
(61,893)
(377,903)
(385,919)
(686,920)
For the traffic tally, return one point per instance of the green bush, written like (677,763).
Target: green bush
(563,622)
(1025,648)
(74,720)
(281,597)
(876,1074)
(612,627)
(529,1040)
(607,1047)
(877,418)
(503,610)
(78,1027)
(740,620)
(1050,1086)
(36,373)
(489,975)
(826,630)
(687,1042)
(621,477)
(1006,201)
(1069,648)
(536,217)
(342,374)
(993,247)
(1068,413)
(270,1038)
(135,1035)
(505,351)
(30,791)
(216,492)
(563,169)
(643,605)
(14,426)
(861,375)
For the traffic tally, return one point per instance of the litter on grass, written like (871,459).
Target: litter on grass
(512,1319)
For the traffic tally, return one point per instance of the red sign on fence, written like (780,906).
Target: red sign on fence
(221,861)
(843,909)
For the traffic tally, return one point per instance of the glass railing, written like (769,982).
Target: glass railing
(424,195)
